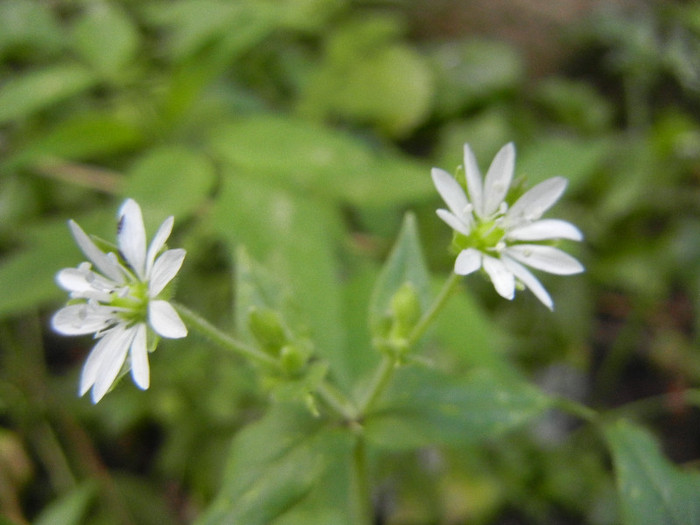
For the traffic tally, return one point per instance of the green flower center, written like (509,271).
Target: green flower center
(133,305)
(485,237)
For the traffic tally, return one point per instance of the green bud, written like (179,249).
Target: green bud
(267,328)
(293,357)
(405,307)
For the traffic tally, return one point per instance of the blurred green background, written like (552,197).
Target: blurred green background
(303,130)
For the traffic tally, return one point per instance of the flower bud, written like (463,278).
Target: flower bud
(406,308)
(293,357)
(267,328)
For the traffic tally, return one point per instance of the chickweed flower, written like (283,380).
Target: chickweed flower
(502,239)
(115,297)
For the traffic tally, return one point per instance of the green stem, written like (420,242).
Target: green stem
(379,382)
(576,409)
(337,401)
(389,363)
(360,494)
(330,395)
(427,318)
(224,340)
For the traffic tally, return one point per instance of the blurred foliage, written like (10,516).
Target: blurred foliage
(302,130)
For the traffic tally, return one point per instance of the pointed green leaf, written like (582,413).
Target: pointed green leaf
(294,237)
(405,264)
(106,37)
(70,508)
(320,161)
(427,407)
(276,463)
(84,136)
(23,95)
(650,488)
(170,180)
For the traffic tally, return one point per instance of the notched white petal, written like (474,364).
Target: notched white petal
(112,360)
(158,242)
(474,183)
(545,258)
(503,280)
(131,237)
(164,269)
(468,261)
(498,179)
(450,191)
(81,319)
(530,281)
(165,320)
(103,263)
(536,201)
(546,229)
(140,372)
(453,222)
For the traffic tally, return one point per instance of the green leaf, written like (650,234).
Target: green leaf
(255,288)
(484,346)
(70,508)
(293,236)
(319,160)
(28,25)
(472,71)
(405,264)
(651,489)
(30,92)
(170,180)
(368,76)
(275,464)
(575,159)
(428,407)
(84,136)
(106,38)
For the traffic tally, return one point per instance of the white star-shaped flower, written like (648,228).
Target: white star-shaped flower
(501,239)
(118,301)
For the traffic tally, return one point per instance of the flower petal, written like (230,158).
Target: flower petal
(131,237)
(139,358)
(536,201)
(88,376)
(101,261)
(474,184)
(164,269)
(80,319)
(498,179)
(545,258)
(158,242)
(468,261)
(102,369)
(453,222)
(502,278)
(165,321)
(450,191)
(546,229)
(529,280)
(112,361)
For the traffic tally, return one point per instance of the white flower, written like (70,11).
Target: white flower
(118,301)
(501,239)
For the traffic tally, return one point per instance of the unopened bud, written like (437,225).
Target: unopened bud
(293,357)
(406,308)
(267,328)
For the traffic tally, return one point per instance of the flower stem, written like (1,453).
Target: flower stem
(337,401)
(427,318)
(204,327)
(380,380)
(389,363)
